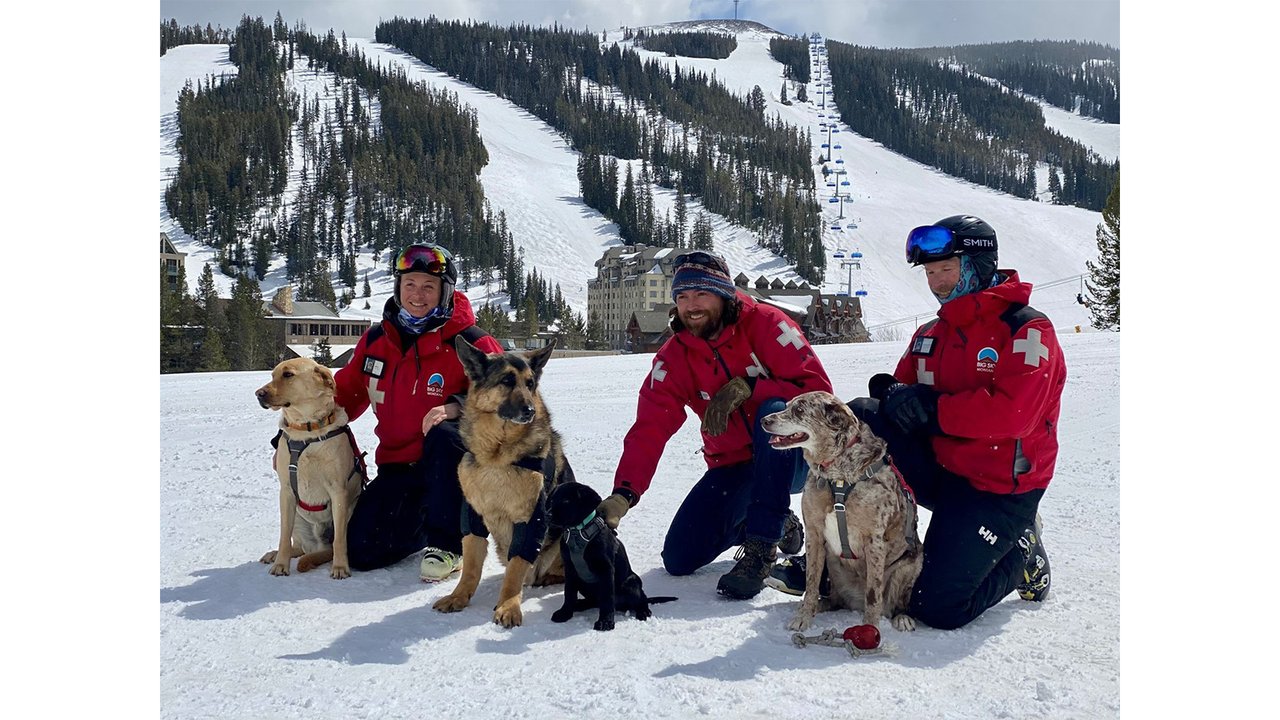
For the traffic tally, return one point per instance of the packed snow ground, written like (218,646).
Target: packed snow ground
(532,177)
(236,642)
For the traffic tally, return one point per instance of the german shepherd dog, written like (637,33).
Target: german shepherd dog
(595,561)
(873,553)
(514,460)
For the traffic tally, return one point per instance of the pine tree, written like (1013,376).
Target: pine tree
(756,100)
(1104,282)
(322,352)
(1055,186)
(782,98)
(801,94)
(367,290)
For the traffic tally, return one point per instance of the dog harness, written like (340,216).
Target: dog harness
(577,538)
(295,452)
(526,537)
(840,489)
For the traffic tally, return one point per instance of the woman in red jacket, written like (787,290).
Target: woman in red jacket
(407,371)
(971,418)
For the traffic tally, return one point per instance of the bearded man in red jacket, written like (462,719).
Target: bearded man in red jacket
(971,418)
(732,361)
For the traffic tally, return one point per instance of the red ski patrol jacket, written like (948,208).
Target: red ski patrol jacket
(403,384)
(999,370)
(764,346)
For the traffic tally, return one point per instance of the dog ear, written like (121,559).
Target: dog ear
(474,361)
(326,376)
(538,358)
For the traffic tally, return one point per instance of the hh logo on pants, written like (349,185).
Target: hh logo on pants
(987,535)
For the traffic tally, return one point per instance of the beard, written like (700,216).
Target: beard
(710,324)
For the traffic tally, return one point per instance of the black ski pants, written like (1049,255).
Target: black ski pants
(410,505)
(971,554)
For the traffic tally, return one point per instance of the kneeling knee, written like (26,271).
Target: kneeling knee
(939,614)
(676,564)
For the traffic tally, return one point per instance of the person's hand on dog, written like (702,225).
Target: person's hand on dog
(435,416)
(912,408)
(727,399)
(613,508)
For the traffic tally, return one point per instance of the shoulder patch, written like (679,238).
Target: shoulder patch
(1018,315)
(923,345)
(374,367)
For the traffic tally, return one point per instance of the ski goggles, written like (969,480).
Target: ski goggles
(426,258)
(930,242)
(700,257)
(934,242)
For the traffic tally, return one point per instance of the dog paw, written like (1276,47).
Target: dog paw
(643,613)
(562,615)
(603,625)
(340,572)
(508,615)
(801,621)
(904,622)
(304,565)
(268,558)
(279,569)
(451,603)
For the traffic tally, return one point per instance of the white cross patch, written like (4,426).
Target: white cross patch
(789,336)
(658,374)
(924,376)
(757,369)
(375,395)
(1032,349)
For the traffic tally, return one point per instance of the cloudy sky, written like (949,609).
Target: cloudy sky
(881,23)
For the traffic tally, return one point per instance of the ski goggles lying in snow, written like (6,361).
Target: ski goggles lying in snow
(427,258)
(928,243)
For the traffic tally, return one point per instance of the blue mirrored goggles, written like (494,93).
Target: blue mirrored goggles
(930,242)
(699,257)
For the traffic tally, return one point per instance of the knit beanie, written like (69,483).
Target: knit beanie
(703,271)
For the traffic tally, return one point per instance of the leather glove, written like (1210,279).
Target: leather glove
(727,399)
(613,508)
(912,408)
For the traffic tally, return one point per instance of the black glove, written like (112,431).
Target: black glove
(727,399)
(880,383)
(912,408)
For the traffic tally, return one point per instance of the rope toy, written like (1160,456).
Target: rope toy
(850,640)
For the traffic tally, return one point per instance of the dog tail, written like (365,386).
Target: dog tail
(661,599)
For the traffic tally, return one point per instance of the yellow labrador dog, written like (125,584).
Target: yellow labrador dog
(321,474)
(859,517)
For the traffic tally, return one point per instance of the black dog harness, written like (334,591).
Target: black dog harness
(526,537)
(295,452)
(577,538)
(840,489)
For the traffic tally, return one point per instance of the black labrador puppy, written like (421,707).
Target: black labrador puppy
(595,562)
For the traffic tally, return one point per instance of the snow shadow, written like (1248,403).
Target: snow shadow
(225,593)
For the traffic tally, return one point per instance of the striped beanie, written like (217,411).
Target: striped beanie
(702,271)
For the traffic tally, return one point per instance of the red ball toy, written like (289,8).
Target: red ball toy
(863,637)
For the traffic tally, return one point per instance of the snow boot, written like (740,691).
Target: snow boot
(746,579)
(792,541)
(1035,574)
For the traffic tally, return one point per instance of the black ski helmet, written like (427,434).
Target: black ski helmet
(431,259)
(981,253)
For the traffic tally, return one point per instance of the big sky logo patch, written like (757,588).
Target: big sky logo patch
(435,385)
(987,359)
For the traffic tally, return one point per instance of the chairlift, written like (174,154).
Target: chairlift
(837,147)
(839,161)
(836,226)
(824,145)
(833,200)
(861,293)
(844,182)
(838,254)
(855,255)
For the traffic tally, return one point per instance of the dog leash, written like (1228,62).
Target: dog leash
(295,452)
